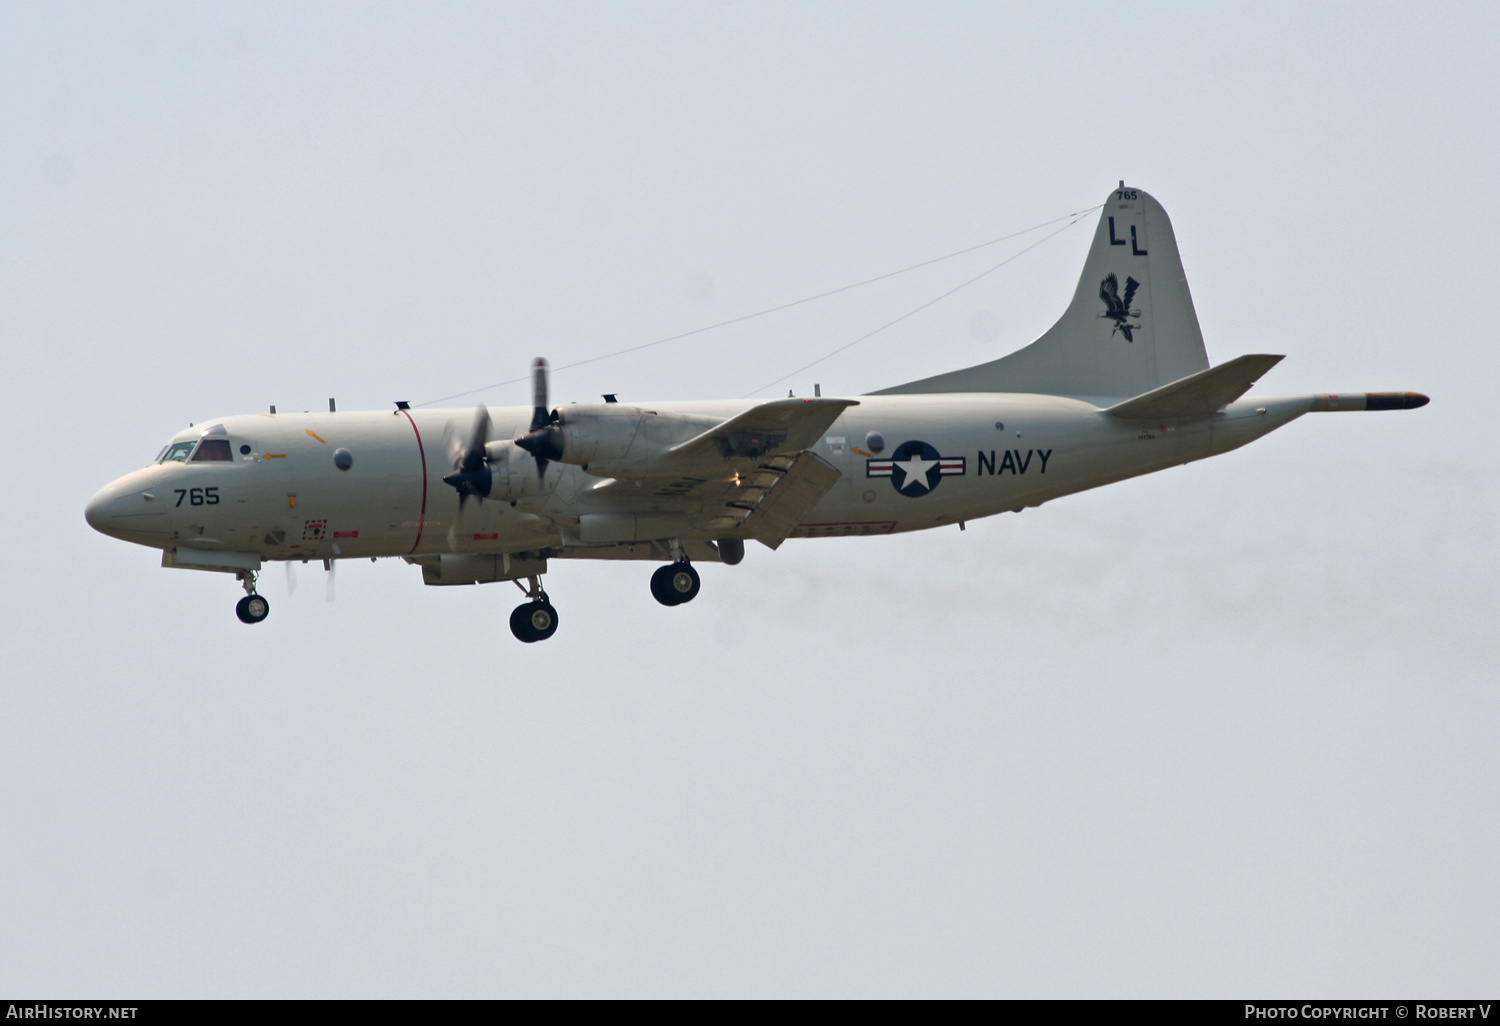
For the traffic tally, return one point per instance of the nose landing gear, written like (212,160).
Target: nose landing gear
(252,608)
(675,583)
(535,620)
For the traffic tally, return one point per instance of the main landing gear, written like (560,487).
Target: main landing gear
(535,620)
(675,583)
(252,608)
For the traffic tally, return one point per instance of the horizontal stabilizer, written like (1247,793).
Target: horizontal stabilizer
(781,426)
(1197,394)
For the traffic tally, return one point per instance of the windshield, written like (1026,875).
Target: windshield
(177,451)
(213,450)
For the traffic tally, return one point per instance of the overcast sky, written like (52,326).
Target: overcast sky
(1226,730)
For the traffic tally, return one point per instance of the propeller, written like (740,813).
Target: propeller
(471,465)
(544,440)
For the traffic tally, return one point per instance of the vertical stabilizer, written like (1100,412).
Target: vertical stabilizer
(1130,328)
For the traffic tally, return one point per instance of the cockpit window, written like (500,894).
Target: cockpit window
(213,450)
(177,451)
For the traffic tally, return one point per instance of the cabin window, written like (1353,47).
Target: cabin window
(213,450)
(177,451)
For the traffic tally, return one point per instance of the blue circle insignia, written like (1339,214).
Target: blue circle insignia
(916,468)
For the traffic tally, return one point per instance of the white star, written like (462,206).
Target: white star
(915,469)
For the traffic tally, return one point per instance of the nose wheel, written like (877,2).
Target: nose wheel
(252,608)
(535,620)
(675,583)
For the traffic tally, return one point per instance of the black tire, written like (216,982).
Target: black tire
(533,621)
(252,609)
(661,586)
(675,583)
(520,623)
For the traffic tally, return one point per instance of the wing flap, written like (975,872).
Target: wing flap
(781,508)
(1197,394)
(768,503)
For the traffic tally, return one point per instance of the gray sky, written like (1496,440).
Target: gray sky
(1227,730)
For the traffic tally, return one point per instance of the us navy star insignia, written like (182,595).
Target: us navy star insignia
(921,467)
(915,468)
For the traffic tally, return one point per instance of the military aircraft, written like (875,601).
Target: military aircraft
(1119,386)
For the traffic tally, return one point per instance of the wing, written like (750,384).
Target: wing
(748,477)
(1130,286)
(781,427)
(764,500)
(774,480)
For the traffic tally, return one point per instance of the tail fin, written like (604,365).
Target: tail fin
(1130,327)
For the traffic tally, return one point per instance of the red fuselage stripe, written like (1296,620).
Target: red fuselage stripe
(422,518)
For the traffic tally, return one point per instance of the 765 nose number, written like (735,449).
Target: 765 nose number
(198,496)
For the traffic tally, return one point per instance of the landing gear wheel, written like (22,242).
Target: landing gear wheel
(252,608)
(675,584)
(533,621)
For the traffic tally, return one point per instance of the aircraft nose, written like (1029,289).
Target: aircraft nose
(122,507)
(97,510)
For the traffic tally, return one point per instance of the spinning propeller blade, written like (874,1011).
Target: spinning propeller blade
(544,440)
(539,415)
(471,465)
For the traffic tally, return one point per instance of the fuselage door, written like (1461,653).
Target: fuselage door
(835,449)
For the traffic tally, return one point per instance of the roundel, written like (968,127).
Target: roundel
(916,468)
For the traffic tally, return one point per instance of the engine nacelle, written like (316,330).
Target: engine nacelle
(597,433)
(612,439)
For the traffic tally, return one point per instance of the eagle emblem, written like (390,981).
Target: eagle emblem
(1117,307)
